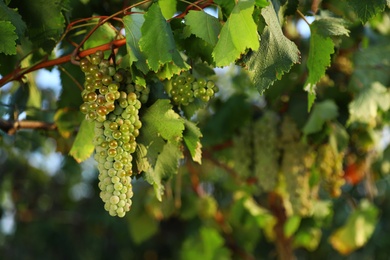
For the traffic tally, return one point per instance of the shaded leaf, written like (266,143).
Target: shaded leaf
(366,9)
(207,244)
(191,138)
(45,21)
(322,112)
(238,34)
(133,24)
(8,38)
(11,15)
(166,165)
(329,26)
(66,120)
(275,56)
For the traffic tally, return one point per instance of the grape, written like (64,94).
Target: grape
(185,88)
(112,102)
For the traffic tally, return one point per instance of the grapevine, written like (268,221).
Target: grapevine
(112,101)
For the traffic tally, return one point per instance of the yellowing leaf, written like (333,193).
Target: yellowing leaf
(358,229)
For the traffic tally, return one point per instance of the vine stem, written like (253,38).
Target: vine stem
(19,72)
(10,127)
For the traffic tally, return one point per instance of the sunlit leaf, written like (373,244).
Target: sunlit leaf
(191,137)
(83,144)
(358,229)
(238,34)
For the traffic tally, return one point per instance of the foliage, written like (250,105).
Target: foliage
(287,160)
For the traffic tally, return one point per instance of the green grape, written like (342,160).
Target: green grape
(111,101)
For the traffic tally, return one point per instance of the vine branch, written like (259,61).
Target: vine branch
(20,72)
(10,127)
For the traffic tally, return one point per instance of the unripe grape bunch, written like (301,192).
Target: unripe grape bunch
(112,102)
(185,88)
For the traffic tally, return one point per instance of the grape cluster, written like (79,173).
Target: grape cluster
(112,102)
(185,88)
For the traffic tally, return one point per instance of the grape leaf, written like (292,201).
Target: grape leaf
(8,14)
(364,108)
(83,147)
(102,35)
(45,21)
(160,120)
(320,51)
(371,64)
(69,86)
(238,34)
(322,112)
(366,9)
(8,38)
(358,229)
(207,244)
(168,8)
(203,25)
(157,42)
(66,120)
(275,56)
(329,26)
(166,165)
(191,138)
(317,62)
(133,24)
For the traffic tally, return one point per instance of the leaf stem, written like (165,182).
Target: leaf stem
(303,17)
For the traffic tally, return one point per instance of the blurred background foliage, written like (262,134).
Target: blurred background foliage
(331,202)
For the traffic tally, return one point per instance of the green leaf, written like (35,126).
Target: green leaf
(142,226)
(364,108)
(203,25)
(358,229)
(275,56)
(104,34)
(133,24)
(329,26)
(318,61)
(8,14)
(70,92)
(191,138)
(238,34)
(160,120)
(8,38)
(168,8)
(166,165)
(45,21)
(366,9)
(371,64)
(83,144)
(157,42)
(291,225)
(322,112)
(261,3)
(66,120)
(207,244)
